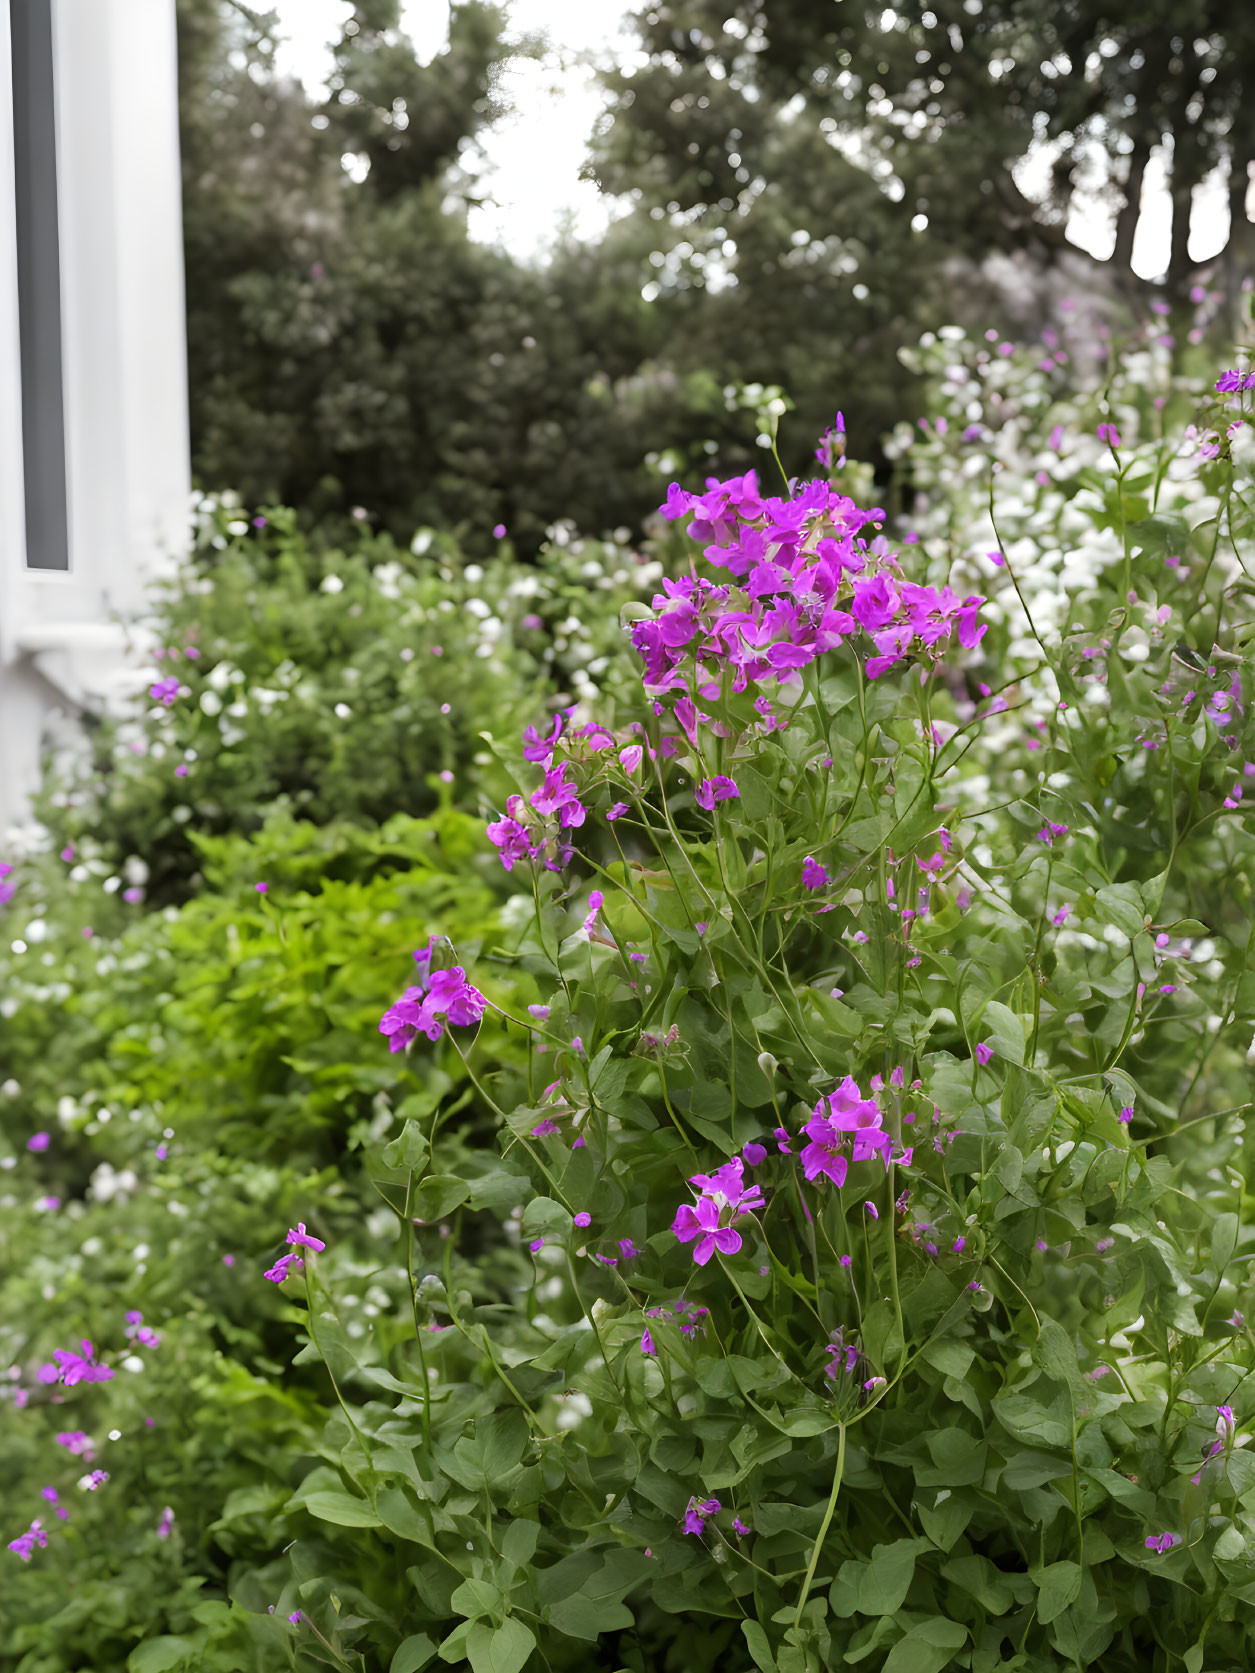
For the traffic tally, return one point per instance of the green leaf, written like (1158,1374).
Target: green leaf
(927,1648)
(959,1459)
(408,1150)
(342,1509)
(410,1521)
(519,1541)
(952,1358)
(438,1195)
(1121,904)
(474,1598)
(412,1654)
(759,1646)
(502,1649)
(1229,1546)
(1055,1353)
(944,1521)
(586,1617)
(545,1216)
(162,1655)
(978,1577)
(886,1579)
(1005,1030)
(1058,1585)
(1224,1240)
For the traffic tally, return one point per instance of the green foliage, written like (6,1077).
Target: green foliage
(338,685)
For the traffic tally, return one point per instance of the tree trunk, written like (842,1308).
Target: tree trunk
(1235,258)
(1131,209)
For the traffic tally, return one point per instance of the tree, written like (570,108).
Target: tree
(350,346)
(940,103)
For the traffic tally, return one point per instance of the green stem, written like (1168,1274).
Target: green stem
(823,1526)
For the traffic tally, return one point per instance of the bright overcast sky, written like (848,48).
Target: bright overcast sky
(535,155)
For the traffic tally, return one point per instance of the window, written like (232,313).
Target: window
(39,286)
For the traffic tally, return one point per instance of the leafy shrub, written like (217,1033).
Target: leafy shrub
(340,685)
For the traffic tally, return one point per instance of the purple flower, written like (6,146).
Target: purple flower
(262,888)
(301,1239)
(844,1127)
(512,842)
(754,1154)
(814,876)
(283,1268)
(739,1528)
(617,811)
(702,1221)
(697,1512)
(712,790)
(77,1444)
(166,1526)
(440,995)
(647,1343)
(595,902)
(628,1249)
(164,691)
(93,1480)
(557,796)
(725,1196)
(544,1129)
(875,602)
(38,1141)
(72,1368)
(1162,1542)
(34,1536)
(728,1184)
(983,1053)
(583,1218)
(138,1331)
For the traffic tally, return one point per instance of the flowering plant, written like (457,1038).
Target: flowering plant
(822,1189)
(858,1321)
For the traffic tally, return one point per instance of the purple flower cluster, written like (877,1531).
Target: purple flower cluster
(441,995)
(802,581)
(164,691)
(724,1196)
(844,1127)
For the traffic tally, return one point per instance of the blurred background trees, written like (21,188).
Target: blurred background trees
(805,188)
